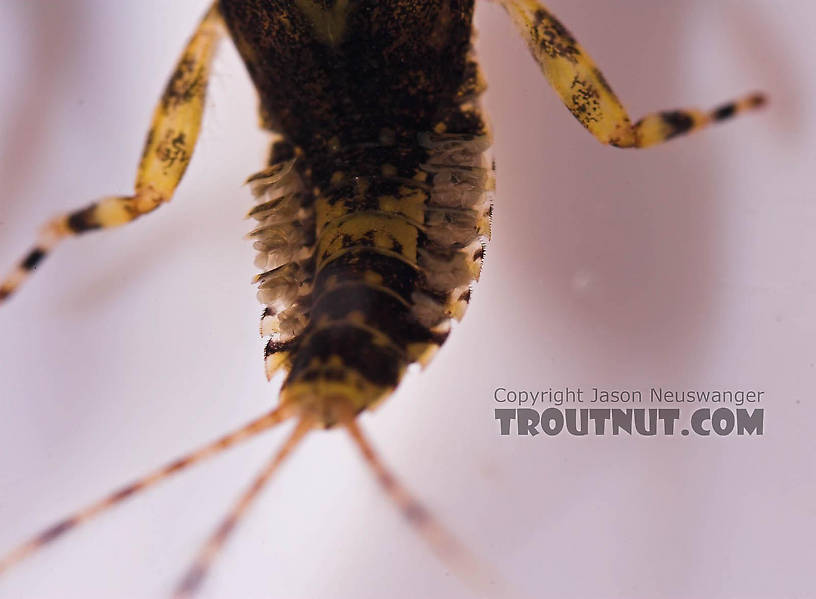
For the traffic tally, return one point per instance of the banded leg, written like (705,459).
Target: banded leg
(167,152)
(586,93)
(52,533)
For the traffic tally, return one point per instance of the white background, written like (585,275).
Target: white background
(688,266)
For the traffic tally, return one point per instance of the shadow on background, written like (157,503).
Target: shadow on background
(613,259)
(51,34)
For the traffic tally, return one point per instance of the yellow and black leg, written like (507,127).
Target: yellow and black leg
(586,93)
(167,152)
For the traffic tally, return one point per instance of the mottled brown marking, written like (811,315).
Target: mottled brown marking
(188,81)
(585,104)
(553,38)
(404,58)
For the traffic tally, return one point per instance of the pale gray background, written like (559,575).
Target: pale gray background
(690,265)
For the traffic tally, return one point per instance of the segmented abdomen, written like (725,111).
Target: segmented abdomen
(369,249)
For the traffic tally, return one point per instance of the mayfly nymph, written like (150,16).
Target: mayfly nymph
(372,213)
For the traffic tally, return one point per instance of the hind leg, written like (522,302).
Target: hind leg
(167,152)
(586,93)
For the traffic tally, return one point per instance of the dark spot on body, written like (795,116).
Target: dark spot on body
(83,220)
(334,374)
(178,465)
(416,514)
(173,148)
(125,492)
(58,529)
(281,152)
(33,259)
(553,38)
(191,581)
(378,364)
(274,347)
(226,528)
(186,83)
(679,122)
(724,112)
(387,481)
(381,311)
(585,101)
(757,100)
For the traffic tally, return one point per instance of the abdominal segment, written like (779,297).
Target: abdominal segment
(369,246)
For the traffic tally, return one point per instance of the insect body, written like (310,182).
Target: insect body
(372,212)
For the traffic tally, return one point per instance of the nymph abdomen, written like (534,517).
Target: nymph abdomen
(370,247)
